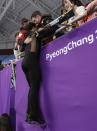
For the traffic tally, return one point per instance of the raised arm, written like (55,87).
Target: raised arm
(92,5)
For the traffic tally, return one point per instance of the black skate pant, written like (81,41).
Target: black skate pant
(30,66)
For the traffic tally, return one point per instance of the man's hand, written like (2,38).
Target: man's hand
(40,29)
(28,40)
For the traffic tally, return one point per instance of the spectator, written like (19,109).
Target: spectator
(23,33)
(24,23)
(46,35)
(5,123)
(40,20)
(77,7)
(67,4)
(90,15)
(73,4)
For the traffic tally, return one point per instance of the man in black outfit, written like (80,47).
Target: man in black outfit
(40,20)
(45,34)
(30,66)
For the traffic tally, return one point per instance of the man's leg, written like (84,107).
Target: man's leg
(33,95)
(25,68)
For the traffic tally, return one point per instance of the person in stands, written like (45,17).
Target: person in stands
(76,5)
(77,8)
(40,20)
(23,34)
(45,34)
(89,8)
(24,23)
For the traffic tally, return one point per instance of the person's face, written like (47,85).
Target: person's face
(36,19)
(68,5)
(25,24)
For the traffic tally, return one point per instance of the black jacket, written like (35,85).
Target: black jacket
(48,32)
(44,21)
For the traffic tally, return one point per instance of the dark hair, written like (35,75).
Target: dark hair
(30,26)
(63,2)
(24,20)
(5,123)
(34,14)
(76,2)
(16,34)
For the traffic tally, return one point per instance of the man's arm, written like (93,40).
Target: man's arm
(28,40)
(47,19)
(91,6)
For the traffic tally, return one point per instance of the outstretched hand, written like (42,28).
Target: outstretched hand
(28,40)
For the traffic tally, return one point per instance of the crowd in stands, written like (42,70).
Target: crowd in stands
(39,21)
(36,33)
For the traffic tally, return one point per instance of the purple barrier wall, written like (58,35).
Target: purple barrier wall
(5,79)
(68,97)
(69,80)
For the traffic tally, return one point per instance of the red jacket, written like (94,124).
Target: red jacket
(22,34)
